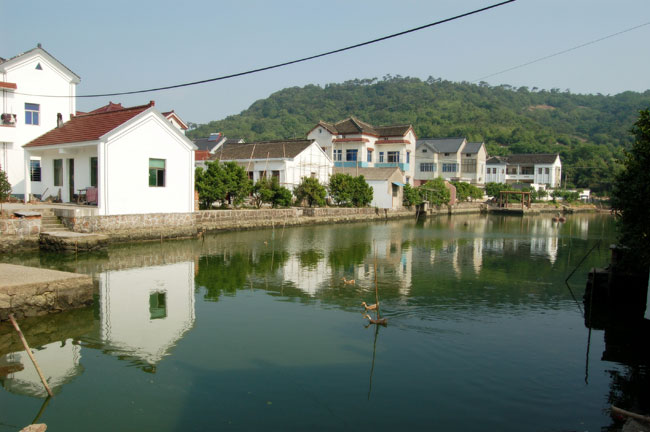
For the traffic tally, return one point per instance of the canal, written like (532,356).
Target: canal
(258,330)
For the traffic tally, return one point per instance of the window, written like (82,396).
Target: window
(157,172)
(58,172)
(408,180)
(351,155)
(275,174)
(93,171)
(31,113)
(468,166)
(369,156)
(427,167)
(157,306)
(338,155)
(393,156)
(527,170)
(262,174)
(546,171)
(424,150)
(251,175)
(381,156)
(35,170)
(320,131)
(539,170)
(449,167)
(408,157)
(446,154)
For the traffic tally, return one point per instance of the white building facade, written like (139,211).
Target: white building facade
(27,113)
(133,161)
(453,159)
(538,169)
(353,143)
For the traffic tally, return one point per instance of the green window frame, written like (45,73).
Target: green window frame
(157,172)
(93,172)
(58,172)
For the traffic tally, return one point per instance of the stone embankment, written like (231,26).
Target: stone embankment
(30,291)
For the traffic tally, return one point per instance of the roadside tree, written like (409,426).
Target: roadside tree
(5,188)
(310,190)
(435,191)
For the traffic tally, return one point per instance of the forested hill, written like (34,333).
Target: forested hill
(589,131)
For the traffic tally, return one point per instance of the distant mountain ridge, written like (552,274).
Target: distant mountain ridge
(588,131)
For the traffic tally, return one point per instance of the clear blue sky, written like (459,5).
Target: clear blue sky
(128,45)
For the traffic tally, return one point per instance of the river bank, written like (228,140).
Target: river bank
(148,227)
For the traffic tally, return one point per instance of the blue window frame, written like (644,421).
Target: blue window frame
(393,156)
(408,157)
(369,156)
(32,112)
(381,157)
(351,155)
(427,167)
(449,167)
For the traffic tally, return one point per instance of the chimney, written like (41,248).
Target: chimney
(59,120)
(152,103)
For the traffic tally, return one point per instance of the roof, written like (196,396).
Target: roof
(8,85)
(472,147)
(495,160)
(368,173)
(39,48)
(108,108)
(172,114)
(541,158)
(88,127)
(442,145)
(281,149)
(353,125)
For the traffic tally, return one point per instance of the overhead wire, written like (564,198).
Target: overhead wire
(275,66)
(562,52)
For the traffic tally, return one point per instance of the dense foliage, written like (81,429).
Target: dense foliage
(5,187)
(466,191)
(631,190)
(310,190)
(588,131)
(269,191)
(346,190)
(226,183)
(411,196)
(435,191)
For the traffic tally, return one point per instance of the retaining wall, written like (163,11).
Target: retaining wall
(20,226)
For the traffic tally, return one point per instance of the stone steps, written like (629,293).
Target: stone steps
(51,223)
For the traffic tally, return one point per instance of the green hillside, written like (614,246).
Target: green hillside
(589,131)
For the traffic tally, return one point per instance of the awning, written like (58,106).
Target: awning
(398,184)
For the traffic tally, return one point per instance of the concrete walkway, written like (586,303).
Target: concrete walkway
(30,291)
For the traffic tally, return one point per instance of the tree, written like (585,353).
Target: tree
(340,189)
(224,182)
(262,192)
(361,192)
(631,193)
(5,187)
(435,191)
(412,196)
(311,190)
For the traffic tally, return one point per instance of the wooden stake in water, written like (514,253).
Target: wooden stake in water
(29,352)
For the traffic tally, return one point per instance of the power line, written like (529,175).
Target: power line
(304,59)
(562,52)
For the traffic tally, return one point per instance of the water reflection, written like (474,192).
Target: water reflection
(144,312)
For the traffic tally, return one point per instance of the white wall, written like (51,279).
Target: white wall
(311,160)
(51,80)
(81,156)
(499,177)
(124,182)
(124,306)
(382,194)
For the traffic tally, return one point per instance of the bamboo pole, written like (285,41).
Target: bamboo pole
(29,352)
(630,414)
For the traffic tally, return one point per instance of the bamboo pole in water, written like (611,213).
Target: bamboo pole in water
(29,352)
(636,416)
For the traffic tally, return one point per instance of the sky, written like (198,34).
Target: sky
(139,44)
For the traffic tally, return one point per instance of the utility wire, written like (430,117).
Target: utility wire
(562,52)
(304,59)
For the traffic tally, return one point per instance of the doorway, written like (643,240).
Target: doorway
(71,179)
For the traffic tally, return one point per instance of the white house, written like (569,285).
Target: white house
(288,161)
(354,143)
(144,312)
(386,185)
(26,112)
(536,169)
(453,159)
(133,159)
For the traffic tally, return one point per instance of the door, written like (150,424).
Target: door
(71,178)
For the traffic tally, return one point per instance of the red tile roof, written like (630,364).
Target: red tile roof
(87,127)
(8,85)
(107,108)
(200,155)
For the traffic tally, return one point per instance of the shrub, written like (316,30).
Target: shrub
(310,190)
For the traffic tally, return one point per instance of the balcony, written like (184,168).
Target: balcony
(400,165)
(351,164)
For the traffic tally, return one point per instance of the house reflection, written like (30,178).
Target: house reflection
(62,360)
(144,312)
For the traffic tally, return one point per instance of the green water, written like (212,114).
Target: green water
(257,330)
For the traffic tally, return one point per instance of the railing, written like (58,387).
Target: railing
(402,166)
